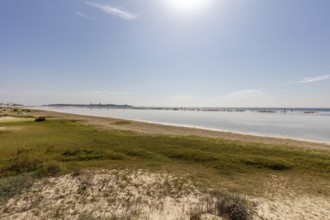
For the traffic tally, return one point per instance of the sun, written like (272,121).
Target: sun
(183,6)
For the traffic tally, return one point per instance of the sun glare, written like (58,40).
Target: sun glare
(189,5)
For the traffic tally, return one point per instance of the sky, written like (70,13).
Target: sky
(215,53)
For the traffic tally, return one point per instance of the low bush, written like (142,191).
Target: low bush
(86,154)
(192,155)
(138,153)
(40,119)
(195,216)
(233,207)
(51,168)
(268,164)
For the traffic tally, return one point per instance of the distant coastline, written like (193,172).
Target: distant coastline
(224,109)
(90,105)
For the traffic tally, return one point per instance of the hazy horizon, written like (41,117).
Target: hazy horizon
(179,107)
(203,53)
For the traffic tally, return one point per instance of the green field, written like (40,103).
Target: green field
(59,146)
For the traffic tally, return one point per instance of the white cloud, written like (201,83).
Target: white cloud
(114,11)
(80,14)
(247,93)
(83,15)
(314,79)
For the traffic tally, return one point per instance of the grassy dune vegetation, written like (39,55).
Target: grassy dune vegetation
(56,146)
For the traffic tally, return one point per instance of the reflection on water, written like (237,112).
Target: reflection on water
(300,125)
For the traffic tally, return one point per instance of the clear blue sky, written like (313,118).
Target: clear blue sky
(256,53)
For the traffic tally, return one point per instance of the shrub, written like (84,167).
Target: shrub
(40,119)
(51,168)
(76,172)
(233,208)
(195,216)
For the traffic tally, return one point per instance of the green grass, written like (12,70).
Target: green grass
(122,122)
(59,146)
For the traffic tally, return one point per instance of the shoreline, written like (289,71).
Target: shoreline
(325,142)
(158,128)
(83,159)
(228,131)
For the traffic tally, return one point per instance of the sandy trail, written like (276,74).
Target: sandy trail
(8,120)
(12,119)
(282,201)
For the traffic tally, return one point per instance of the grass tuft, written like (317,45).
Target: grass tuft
(21,165)
(86,154)
(51,168)
(268,164)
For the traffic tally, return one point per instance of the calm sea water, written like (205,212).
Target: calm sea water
(298,124)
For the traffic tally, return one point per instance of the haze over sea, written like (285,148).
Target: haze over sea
(304,124)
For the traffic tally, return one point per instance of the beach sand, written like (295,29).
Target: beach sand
(141,194)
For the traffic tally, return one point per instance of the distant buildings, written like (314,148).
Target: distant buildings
(11,104)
